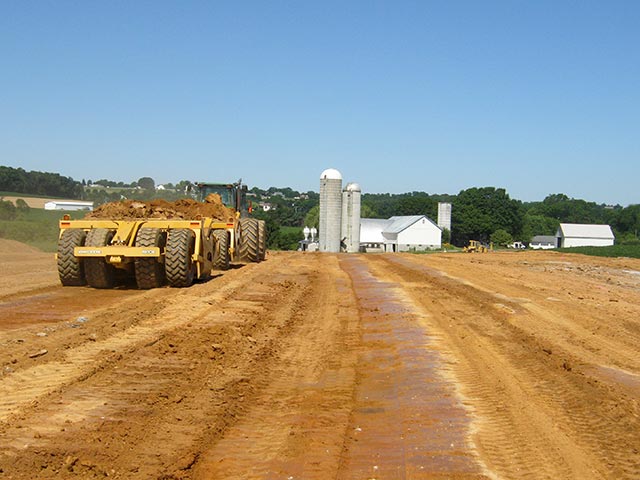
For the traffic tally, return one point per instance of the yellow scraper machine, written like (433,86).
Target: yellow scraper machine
(158,251)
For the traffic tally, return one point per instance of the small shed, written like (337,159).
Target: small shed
(584,235)
(400,234)
(543,242)
(68,205)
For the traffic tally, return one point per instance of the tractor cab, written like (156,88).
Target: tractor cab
(233,195)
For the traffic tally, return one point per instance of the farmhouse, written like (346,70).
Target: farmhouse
(399,234)
(68,205)
(581,235)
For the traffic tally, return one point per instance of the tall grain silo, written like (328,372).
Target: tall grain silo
(351,196)
(444,215)
(330,210)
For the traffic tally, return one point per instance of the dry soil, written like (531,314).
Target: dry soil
(323,366)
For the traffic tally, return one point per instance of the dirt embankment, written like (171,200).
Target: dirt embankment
(315,366)
(158,208)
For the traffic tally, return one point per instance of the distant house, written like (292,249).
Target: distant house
(400,234)
(543,242)
(68,205)
(581,235)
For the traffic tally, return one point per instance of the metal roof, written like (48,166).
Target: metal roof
(371,229)
(398,224)
(578,230)
(544,239)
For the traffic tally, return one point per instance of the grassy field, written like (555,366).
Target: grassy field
(36,227)
(631,251)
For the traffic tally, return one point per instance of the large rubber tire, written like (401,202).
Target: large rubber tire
(99,273)
(262,240)
(221,252)
(178,264)
(249,240)
(149,271)
(70,267)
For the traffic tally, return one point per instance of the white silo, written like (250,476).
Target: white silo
(350,235)
(444,215)
(330,210)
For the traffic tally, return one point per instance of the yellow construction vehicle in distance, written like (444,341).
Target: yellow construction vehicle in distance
(477,247)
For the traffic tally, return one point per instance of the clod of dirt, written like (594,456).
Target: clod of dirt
(185,208)
(38,354)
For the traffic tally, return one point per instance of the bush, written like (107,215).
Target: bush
(21,205)
(501,237)
(8,210)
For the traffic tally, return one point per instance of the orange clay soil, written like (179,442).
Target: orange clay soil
(180,209)
(316,366)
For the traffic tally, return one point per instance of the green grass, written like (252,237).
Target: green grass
(36,227)
(631,251)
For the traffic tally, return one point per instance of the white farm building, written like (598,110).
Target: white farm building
(68,205)
(400,234)
(581,235)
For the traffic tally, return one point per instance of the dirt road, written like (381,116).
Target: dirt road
(318,366)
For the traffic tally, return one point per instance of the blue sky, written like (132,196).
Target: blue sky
(536,97)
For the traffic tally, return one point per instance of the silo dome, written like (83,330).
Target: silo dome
(353,187)
(331,174)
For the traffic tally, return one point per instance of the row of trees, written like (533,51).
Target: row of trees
(485,213)
(38,183)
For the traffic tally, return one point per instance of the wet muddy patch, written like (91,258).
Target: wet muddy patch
(408,421)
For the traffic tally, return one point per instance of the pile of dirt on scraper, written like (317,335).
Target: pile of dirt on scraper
(185,208)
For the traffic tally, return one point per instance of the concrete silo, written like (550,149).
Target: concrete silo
(351,196)
(444,215)
(330,210)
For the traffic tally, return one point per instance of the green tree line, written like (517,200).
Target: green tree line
(480,213)
(38,183)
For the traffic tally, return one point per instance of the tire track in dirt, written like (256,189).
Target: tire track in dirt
(295,425)
(541,416)
(223,352)
(28,393)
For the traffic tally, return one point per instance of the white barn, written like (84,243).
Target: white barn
(400,234)
(581,235)
(68,205)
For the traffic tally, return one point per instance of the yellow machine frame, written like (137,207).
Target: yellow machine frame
(123,251)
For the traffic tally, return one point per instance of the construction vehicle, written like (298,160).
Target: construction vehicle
(158,251)
(477,247)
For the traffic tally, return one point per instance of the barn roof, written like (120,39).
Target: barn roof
(398,224)
(371,229)
(579,230)
(543,239)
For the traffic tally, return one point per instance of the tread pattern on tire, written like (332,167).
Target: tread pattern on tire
(249,240)
(99,273)
(179,268)
(71,268)
(221,255)
(262,240)
(149,271)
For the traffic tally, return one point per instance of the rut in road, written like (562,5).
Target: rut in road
(539,415)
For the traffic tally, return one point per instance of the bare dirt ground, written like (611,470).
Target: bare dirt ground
(318,366)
